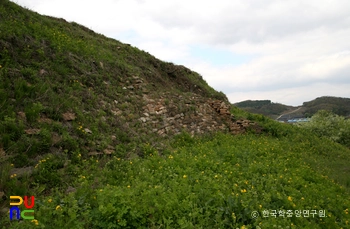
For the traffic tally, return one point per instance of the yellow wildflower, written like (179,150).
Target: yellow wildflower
(243,190)
(49,200)
(58,207)
(128,186)
(35,222)
(184,176)
(289,198)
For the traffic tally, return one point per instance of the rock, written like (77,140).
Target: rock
(88,131)
(138,81)
(143,119)
(22,171)
(32,131)
(70,189)
(68,116)
(55,138)
(42,72)
(160,132)
(21,115)
(94,153)
(117,112)
(45,120)
(108,151)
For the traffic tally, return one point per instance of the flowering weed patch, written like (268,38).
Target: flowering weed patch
(223,182)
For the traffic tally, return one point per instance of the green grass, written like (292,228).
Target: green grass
(210,181)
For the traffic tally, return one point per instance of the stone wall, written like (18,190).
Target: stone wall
(194,115)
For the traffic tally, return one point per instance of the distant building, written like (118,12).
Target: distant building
(298,120)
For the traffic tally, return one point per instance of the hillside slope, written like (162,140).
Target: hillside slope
(64,86)
(107,136)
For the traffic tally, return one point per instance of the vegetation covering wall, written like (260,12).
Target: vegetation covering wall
(76,132)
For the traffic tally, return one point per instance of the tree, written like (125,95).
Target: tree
(327,124)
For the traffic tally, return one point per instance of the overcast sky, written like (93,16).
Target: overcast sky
(288,51)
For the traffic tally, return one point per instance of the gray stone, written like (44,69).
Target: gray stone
(70,189)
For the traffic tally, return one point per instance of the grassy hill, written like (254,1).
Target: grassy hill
(105,135)
(264,107)
(337,105)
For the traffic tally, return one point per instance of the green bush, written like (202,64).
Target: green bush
(327,124)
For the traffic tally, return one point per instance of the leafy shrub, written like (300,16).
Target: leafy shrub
(327,124)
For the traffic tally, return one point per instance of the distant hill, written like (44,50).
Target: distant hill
(265,107)
(337,105)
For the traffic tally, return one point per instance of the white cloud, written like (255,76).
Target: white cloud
(286,47)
